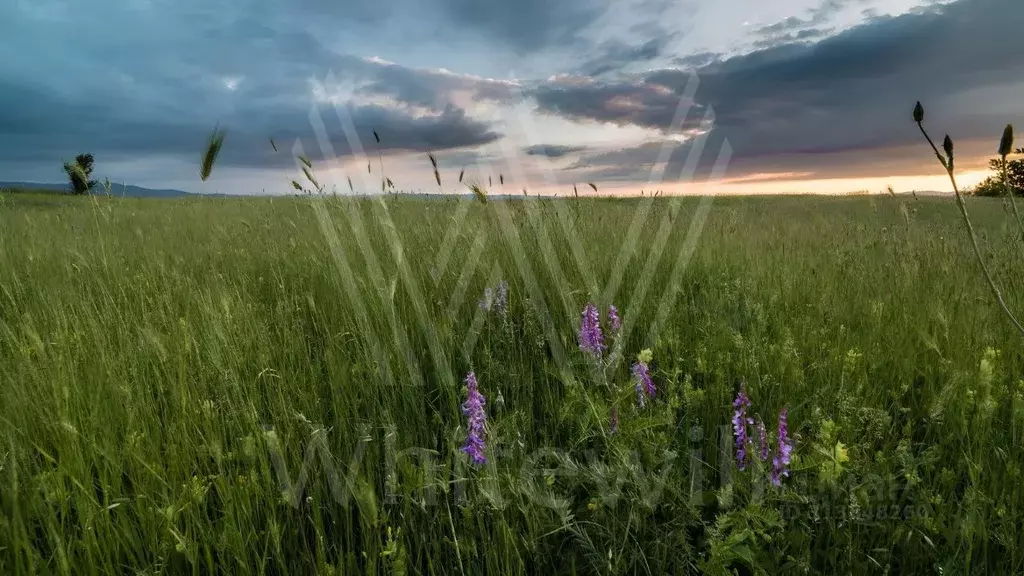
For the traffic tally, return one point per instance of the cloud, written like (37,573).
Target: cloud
(635,163)
(616,55)
(797,104)
(552,150)
(525,25)
(257,82)
(801,95)
(805,35)
(697,60)
(432,88)
(823,13)
(640,100)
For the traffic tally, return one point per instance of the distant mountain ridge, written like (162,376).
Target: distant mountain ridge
(115,190)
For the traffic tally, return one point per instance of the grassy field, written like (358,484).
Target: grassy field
(216,385)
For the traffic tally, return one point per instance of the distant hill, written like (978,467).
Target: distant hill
(115,190)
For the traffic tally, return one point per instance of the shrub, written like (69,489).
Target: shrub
(80,174)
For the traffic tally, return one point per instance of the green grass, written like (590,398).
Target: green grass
(163,361)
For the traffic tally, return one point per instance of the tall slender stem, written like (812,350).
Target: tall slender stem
(970,231)
(1012,194)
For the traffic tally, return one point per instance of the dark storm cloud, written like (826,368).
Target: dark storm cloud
(552,150)
(51,129)
(646,101)
(524,25)
(431,88)
(850,92)
(193,68)
(616,55)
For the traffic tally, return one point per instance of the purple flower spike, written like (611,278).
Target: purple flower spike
(644,384)
(473,408)
(590,338)
(613,317)
(740,421)
(780,463)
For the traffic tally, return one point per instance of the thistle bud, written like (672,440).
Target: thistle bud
(947,145)
(918,113)
(1006,144)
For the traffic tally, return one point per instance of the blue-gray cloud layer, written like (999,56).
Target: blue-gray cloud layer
(799,105)
(150,78)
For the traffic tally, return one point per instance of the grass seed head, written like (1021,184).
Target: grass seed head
(213,147)
(1006,142)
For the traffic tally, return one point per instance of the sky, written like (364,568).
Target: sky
(684,96)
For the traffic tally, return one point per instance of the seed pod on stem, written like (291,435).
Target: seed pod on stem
(1006,143)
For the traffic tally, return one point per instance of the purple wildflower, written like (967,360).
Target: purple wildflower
(780,463)
(613,424)
(501,300)
(644,384)
(473,408)
(740,421)
(763,437)
(590,337)
(613,317)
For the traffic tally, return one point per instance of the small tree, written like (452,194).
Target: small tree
(80,174)
(993,185)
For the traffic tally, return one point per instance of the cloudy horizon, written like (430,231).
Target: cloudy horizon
(806,95)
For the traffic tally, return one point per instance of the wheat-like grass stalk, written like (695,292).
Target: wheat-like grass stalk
(478,192)
(380,157)
(309,176)
(437,173)
(213,146)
